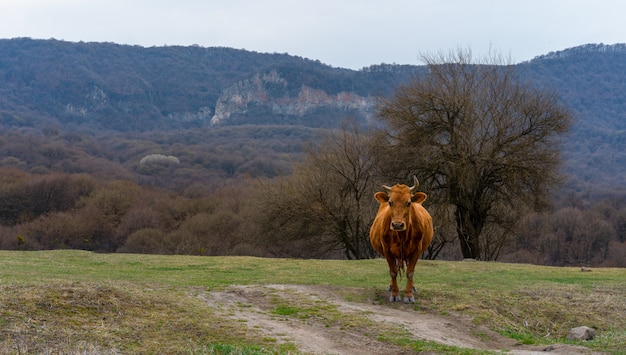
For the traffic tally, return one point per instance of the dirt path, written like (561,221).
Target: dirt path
(332,325)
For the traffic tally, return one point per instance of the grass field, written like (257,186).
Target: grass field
(81,302)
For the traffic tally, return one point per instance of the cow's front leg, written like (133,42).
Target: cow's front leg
(408,291)
(393,284)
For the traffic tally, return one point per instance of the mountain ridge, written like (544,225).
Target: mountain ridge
(78,86)
(121,87)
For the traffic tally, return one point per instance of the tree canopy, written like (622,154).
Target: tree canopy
(483,142)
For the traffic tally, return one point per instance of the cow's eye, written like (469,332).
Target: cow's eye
(390,203)
(408,203)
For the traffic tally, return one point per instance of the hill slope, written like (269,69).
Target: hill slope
(124,88)
(96,87)
(591,80)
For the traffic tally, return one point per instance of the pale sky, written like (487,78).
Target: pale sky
(342,33)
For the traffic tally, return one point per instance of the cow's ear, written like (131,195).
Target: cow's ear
(418,197)
(381,197)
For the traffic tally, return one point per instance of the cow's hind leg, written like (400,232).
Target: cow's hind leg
(393,285)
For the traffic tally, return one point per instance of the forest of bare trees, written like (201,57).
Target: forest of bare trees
(58,210)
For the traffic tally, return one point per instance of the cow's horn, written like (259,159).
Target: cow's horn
(416,183)
(387,188)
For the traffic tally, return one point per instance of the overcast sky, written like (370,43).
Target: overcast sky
(342,33)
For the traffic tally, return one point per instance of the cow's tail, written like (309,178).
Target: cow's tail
(400,262)
(400,267)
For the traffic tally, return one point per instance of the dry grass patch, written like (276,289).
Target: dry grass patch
(107,319)
(542,313)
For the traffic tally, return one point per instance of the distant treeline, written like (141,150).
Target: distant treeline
(67,190)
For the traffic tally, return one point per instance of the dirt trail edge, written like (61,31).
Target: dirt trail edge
(318,320)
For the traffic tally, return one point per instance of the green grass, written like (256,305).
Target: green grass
(54,301)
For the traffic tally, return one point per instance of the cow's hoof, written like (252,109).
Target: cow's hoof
(409,299)
(395,298)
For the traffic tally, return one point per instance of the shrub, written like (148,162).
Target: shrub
(12,238)
(115,199)
(154,163)
(86,229)
(145,241)
(15,205)
(140,217)
(158,159)
(58,192)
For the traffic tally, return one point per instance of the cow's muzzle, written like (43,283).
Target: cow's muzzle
(398,226)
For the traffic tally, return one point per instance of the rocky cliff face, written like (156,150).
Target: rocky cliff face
(271,91)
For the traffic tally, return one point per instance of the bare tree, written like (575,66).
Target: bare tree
(479,139)
(583,236)
(326,205)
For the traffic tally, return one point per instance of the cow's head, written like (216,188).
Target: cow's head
(400,197)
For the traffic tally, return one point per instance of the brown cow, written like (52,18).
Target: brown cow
(401,231)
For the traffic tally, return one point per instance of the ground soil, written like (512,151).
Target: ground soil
(254,307)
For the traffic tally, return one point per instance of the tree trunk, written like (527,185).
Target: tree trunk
(468,228)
